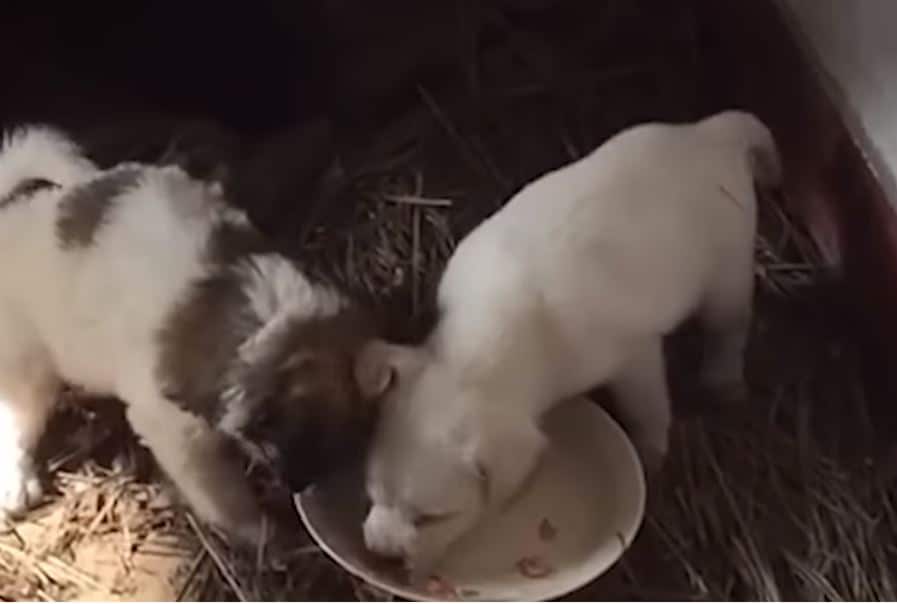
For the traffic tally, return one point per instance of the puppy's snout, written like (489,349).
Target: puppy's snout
(388,534)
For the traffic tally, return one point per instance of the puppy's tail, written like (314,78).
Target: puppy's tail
(758,142)
(41,152)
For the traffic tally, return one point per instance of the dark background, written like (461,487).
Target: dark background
(278,89)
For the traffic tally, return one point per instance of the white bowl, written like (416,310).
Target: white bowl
(579,512)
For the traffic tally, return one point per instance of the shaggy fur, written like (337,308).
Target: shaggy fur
(139,282)
(571,285)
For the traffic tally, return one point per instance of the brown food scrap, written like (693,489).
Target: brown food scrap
(547,531)
(440,588)
(534,567)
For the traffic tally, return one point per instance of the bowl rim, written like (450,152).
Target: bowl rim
(626,534)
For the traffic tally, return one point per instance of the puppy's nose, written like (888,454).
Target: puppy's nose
(387,534)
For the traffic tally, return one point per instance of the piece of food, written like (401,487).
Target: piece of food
(534,567)
(467,593)
(440,588)
(547,531)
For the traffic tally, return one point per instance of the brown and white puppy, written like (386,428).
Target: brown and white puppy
(139,282)
(295,392)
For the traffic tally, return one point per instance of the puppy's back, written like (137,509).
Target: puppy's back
(642,219)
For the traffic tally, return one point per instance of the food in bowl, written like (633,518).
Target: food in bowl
(563,531)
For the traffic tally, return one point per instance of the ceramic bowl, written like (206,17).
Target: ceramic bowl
(574,519)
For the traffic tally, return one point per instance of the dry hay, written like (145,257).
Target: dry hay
(103,533)
(397,244)
(775,500)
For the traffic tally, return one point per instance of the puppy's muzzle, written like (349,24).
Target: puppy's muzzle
(387,533)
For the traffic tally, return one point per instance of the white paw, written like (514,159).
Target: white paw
(20,486)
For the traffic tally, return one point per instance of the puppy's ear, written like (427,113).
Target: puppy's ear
(379,365)
(503,454)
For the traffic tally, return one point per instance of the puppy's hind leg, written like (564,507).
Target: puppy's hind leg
(202,463)
(726,318)
(28,392)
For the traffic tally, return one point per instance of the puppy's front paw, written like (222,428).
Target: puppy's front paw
(20,486)
(252,532)
(246,532)
(234,514)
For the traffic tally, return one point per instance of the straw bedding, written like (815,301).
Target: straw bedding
(780,499)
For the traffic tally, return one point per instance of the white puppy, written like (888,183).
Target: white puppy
(571,285)
(140,282)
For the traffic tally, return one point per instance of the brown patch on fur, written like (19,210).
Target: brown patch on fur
(297,387)
(324,370)
(25,189)
(199,342)
(83,210)
(309,403)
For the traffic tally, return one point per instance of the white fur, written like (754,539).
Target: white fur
(273,287)
(59,157)
(572,284)
(90,316)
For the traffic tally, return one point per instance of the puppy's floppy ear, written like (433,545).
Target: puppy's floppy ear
(503,453)
(380,364)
